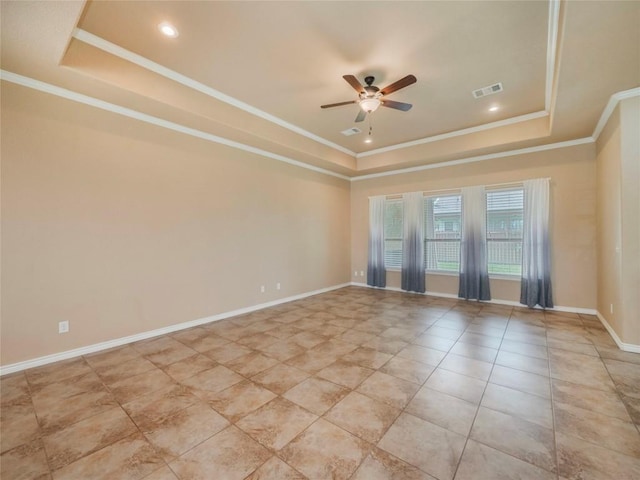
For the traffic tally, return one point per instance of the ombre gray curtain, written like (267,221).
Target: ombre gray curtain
(535,285)
(474,271)
(413,242)
(376,273)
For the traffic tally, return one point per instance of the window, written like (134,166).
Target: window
(443,226)
(393,233)
(505,213)
(443,221)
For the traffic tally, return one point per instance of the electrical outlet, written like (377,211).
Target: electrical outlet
(261,288)
(362,273)
(63,327)
(355,274)
(278,286)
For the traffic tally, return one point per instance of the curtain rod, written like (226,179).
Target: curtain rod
(457,189)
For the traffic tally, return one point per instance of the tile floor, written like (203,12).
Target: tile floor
(353,384)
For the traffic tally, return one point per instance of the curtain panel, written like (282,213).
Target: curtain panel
(535,285)
(376,272)
(413,242)
(474,271)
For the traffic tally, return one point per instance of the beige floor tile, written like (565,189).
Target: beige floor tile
(476,352)
(312,361)
(68,387)
(461,386)
(578,368)
(18,425)
(614,353)
(525,363)
(526,349)
(435,342)
(308,339)
(180,432)
(163,473)
(202,340)
(275,469)
(466,366)
(407,369)
(524,405)
(379,465)
(356,337)
(367,357)
(227,353)
(87,436)
(385,345)
(127,459)
(444,410)
(251,364)
(520,380)
(421,354)
(482,462)
(188,367)
(126,390)
(362,416)
(160,404)
(480,340)
(580,460)
(14,390)
(119,371)
(113,356)
(525,440)
(316,395)
(230,454)
(56,372)
(583,348)
(57,413)
(325,452)
(448,333)
(277,423)
(597,428)
(345,374)
(422,444)
(607,403)
(239,400)
(280,378)
(388,389)
(206,384)
(26,462)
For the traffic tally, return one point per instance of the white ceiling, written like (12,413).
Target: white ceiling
(257,72)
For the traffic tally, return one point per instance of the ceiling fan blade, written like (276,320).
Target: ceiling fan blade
(361,116)
(353,81)
(337,104)
(403,82)
(397,105)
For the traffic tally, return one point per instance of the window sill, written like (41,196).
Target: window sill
(511,278)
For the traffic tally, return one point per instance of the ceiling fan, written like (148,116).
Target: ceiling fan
(371,97)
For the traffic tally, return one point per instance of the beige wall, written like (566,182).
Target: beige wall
(573,217)
(618,170)
(121,227)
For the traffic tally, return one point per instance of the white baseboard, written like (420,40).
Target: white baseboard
(626,347)
(584,311)
(96,347)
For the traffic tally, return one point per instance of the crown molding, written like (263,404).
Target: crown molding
(481,158)
(611,106)
(127,112)
(152,66)
(456,133)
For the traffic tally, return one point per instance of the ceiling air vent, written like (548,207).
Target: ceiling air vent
(490,90)
(350,131)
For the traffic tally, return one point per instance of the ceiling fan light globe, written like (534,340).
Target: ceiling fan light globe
(369,104)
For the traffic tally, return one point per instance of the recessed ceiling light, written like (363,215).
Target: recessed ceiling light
(368,140)
(168,30)
(494,108)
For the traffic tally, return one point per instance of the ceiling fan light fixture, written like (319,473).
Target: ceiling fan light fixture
(369,104)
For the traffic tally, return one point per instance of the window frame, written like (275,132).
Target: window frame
(504,275)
